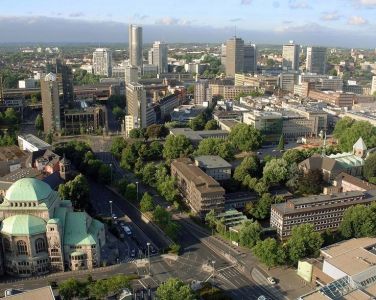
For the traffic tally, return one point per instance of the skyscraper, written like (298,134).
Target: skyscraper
(316,60)
(131,74)
(200,91)
(223,54)
(250,58)
(290,55)
(373,86)
(135,45)
(102,62)
(136,104)
(159,56)
(234,56)
(64,78)
(50,103)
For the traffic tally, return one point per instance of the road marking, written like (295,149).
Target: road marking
(142,283)
(225,268)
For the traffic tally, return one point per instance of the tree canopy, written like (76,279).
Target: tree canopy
(147,203)
(177,146)
(245,137)
(250,165)
(215,146)
(269,252)
(175,289)
(276,171)
(76,190)
(369,168)
(359,221)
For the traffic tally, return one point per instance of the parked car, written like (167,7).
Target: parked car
(127,230)
(133,253)
(271,280)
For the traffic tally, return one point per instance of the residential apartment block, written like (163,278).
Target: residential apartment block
(334,98)
(201,191)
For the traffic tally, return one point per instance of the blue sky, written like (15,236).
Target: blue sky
(352,19)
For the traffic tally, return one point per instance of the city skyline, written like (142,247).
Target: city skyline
(271,22)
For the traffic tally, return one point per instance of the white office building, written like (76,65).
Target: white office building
(102,62)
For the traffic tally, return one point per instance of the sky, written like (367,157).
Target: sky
(346,23)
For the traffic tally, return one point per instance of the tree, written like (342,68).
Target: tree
(369,168)
(358,221)
(198,123)
(211,125)
(249,166)
(167,189)
(215,146)
(269,252)
(69,288)
(304,242)
(211,218)
(262,209)
(104,174)
(348,131)
(157,131)
(161,216)
(147,203)
(135,133)
(131,192)
(118,113)
(128,157)
(49,138)
(191,89)
(39,123)
(281,144)
(176,146)
(294,156)
(245,137)
(155,151)
(175,289)
(117,146)
(250,233)
(276,171)
(76,190)
(311,182)
(148,174)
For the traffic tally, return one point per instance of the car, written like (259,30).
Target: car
(274,150)
(262,297)
(153,250)
(133,253)
(259,152)
(127,230)
(271,280)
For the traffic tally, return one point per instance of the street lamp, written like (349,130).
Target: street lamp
(110,207)
(213,262)
(111,173)
(148,244)
(137,189)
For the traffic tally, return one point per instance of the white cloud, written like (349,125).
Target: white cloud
(357,20)
(245,2)
(172,21)
(296,4)
(330,16)
(367,3)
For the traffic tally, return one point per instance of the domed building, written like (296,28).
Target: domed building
(40,232)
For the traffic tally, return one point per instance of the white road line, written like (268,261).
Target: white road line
(142,284)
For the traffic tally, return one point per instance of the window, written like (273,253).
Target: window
(40,245)
(7,247)
(22,248)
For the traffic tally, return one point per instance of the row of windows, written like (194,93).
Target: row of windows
(324,203)
(312,219)
(23,204)
(314,213)
(22,249)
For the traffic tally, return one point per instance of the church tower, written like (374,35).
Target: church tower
(360,148)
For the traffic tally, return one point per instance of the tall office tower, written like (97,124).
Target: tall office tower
(250,58)
(316,60)
(200,91)
(234,56)
(64,78)
(131,74)
(373,86)
(50,103)
(136,105)
(223,54)
(160,53)
(102,62)
(150,56)
(290,55)
(135,45)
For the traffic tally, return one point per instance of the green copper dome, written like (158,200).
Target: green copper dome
(28,189)
(22,225)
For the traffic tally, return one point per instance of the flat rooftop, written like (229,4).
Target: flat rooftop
(43,293)
(211,162)
(9,153)
(348,245)
(35,141)
(198,135)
